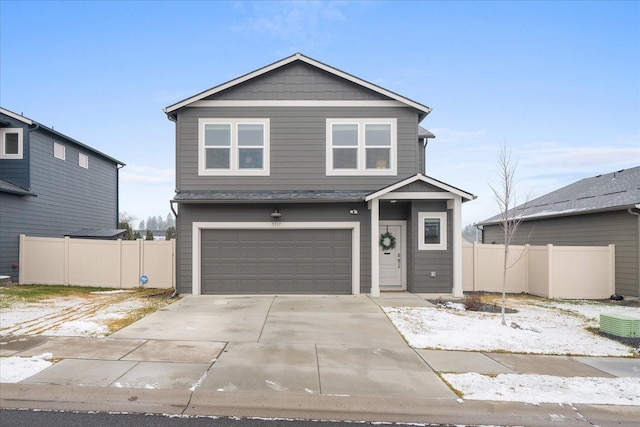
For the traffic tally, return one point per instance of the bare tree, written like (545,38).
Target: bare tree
(510,217)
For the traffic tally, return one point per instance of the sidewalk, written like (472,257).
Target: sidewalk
(297,357)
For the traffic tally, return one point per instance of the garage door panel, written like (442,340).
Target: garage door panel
(276,261)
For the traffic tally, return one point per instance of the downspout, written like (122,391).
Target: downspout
(36,127)
(118,167)
(175,214)
(630,210)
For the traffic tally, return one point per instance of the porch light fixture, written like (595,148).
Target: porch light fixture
(275,215)
(353,211)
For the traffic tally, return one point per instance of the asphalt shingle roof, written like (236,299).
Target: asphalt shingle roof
(611,191)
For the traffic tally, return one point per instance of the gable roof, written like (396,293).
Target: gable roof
(613,191)
(32,122)
(423,109)
(423,178)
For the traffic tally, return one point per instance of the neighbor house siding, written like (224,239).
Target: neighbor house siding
(422,262)
(16,171)
(298,148)
(69,198)
(598,229)
(325,212)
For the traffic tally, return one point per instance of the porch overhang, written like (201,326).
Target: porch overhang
(437,190)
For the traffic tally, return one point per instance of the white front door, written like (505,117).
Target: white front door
(392,255)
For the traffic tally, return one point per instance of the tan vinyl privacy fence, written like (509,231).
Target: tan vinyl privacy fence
(571,272)
(101,263)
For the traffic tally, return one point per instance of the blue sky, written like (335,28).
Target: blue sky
(557,82)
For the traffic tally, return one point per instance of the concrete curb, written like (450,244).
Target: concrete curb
(315,407)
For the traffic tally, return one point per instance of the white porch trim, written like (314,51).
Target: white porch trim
(456,205)
(197,227)
(374,205)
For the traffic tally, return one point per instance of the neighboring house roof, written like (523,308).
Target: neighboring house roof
(207,196)
(7,187)
(423,109)
(426,179)
(612,191)
(97,233)
(32,122)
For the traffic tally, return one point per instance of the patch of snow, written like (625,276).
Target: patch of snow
(536,389)
(115,291)
(454,305)
(538,330)
(15,369)
(79,328)
(274,385)
(229,387)
(197,384)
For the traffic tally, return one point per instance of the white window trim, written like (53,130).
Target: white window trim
(196,243)
(59,147)
(233,170)
(3,148)
(82,157)
(442,246)
(362,170)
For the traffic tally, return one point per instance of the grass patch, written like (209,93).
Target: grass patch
(36,293)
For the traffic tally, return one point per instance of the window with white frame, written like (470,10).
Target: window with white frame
(361,147)
(11,143)
(59,151)
(432,231)
(83,160)
(233,147)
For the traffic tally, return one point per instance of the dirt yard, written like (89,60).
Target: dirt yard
(74,311)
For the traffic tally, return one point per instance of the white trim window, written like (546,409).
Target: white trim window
(233,147)
(83,160)
(432,231)
(361,147)
(59,151)
(11,143)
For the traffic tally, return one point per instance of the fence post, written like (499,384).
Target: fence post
(474,267)
(173,263)
(120,263)
(21,260)
(140,259)
(550,267)
(67,260)
(526,267)
(612,269)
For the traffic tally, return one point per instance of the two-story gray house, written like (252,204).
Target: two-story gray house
(301,178)
(50,185)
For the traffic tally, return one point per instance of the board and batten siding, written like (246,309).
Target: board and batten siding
(245,212)
(598,229)
(298,141)
(69,198)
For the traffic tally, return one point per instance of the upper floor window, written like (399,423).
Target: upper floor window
(59,151)
(361,147)
(233,147)
(83,160)
(11,143)
(432,231)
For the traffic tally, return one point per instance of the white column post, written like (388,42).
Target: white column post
(456,204)
(374,205)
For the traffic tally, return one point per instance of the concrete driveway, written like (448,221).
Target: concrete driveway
(333,345)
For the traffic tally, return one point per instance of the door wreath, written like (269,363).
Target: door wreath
(387,241)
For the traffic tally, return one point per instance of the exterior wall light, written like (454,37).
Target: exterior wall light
(275,215)
(353,211)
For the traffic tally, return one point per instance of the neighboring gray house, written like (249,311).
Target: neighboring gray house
(50,185)
(301,178)
(594,211)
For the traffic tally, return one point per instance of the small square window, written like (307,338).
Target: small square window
(58,151)
(83,160)
(11,143)
(432,231)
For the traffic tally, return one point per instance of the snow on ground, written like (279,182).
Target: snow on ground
(538,389)
(555,328)
(16,369)
(70,316)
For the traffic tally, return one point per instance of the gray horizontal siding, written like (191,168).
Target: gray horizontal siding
(422,263)
(618,228)
(69,198)
(308,212)
(16,171)
(298,81)
(298,149)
